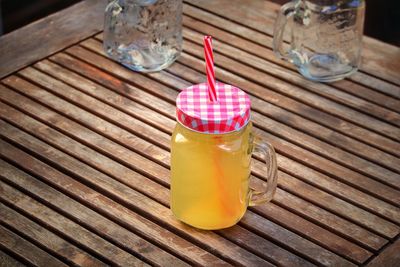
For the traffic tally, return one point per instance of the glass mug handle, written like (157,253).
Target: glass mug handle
(285,13)
(268,155)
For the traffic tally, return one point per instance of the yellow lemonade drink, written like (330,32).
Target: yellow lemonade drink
(210,176)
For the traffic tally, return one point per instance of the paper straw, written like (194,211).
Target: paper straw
(208,54)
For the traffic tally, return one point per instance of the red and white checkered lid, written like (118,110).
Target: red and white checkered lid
(229,113)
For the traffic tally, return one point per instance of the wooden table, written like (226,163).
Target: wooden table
(84,149)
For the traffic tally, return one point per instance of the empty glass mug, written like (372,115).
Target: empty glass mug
(325,37)
(144,35)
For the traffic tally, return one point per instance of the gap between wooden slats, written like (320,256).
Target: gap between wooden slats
(314,249)
(107,97)
(45,239)
(25,250)
(386,159)
(116,85)
(253,60)
(266,41)
(18,138)
(143,226)
(260,16)
(389,255)
(309,98)
(250,259)
(267,54)
(6,260)
(316,129)
(103,205)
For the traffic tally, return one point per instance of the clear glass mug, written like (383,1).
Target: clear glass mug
(144,35)
(325,37)
(210,176)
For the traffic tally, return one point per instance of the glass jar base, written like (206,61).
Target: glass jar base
(209,227)
(139,68)
(326,68)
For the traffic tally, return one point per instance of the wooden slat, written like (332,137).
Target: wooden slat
(254,63)
(267,54)
(121,72)
(99,224)
(288,89)
(98,136)
(265,40)
(77,81)
(94,74)
(25,46)
(157,172)
(144,226)
(390,257)
(35,146)
(329,136)
(374,83)
(128,218)
(8,261)
(26,250)
(68,252)
(261,15)
(108,252)
(314,249)
(388,177)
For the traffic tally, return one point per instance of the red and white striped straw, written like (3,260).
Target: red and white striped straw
(208,54)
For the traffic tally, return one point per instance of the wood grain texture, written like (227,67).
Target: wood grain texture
(389,257)
(313,249)
(299,247)
(379,59)
(327,256)
(127,216)
(267,53)
(8,261)
(51,219)
(85,149)
(50,34)
(26,250)
(93,74)
(229,25)
(40,235)
(103,226)
(183,73)
(81,83)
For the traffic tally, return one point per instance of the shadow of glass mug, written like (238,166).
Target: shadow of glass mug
(325,37)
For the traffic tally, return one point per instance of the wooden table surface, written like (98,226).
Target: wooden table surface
(84,149)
